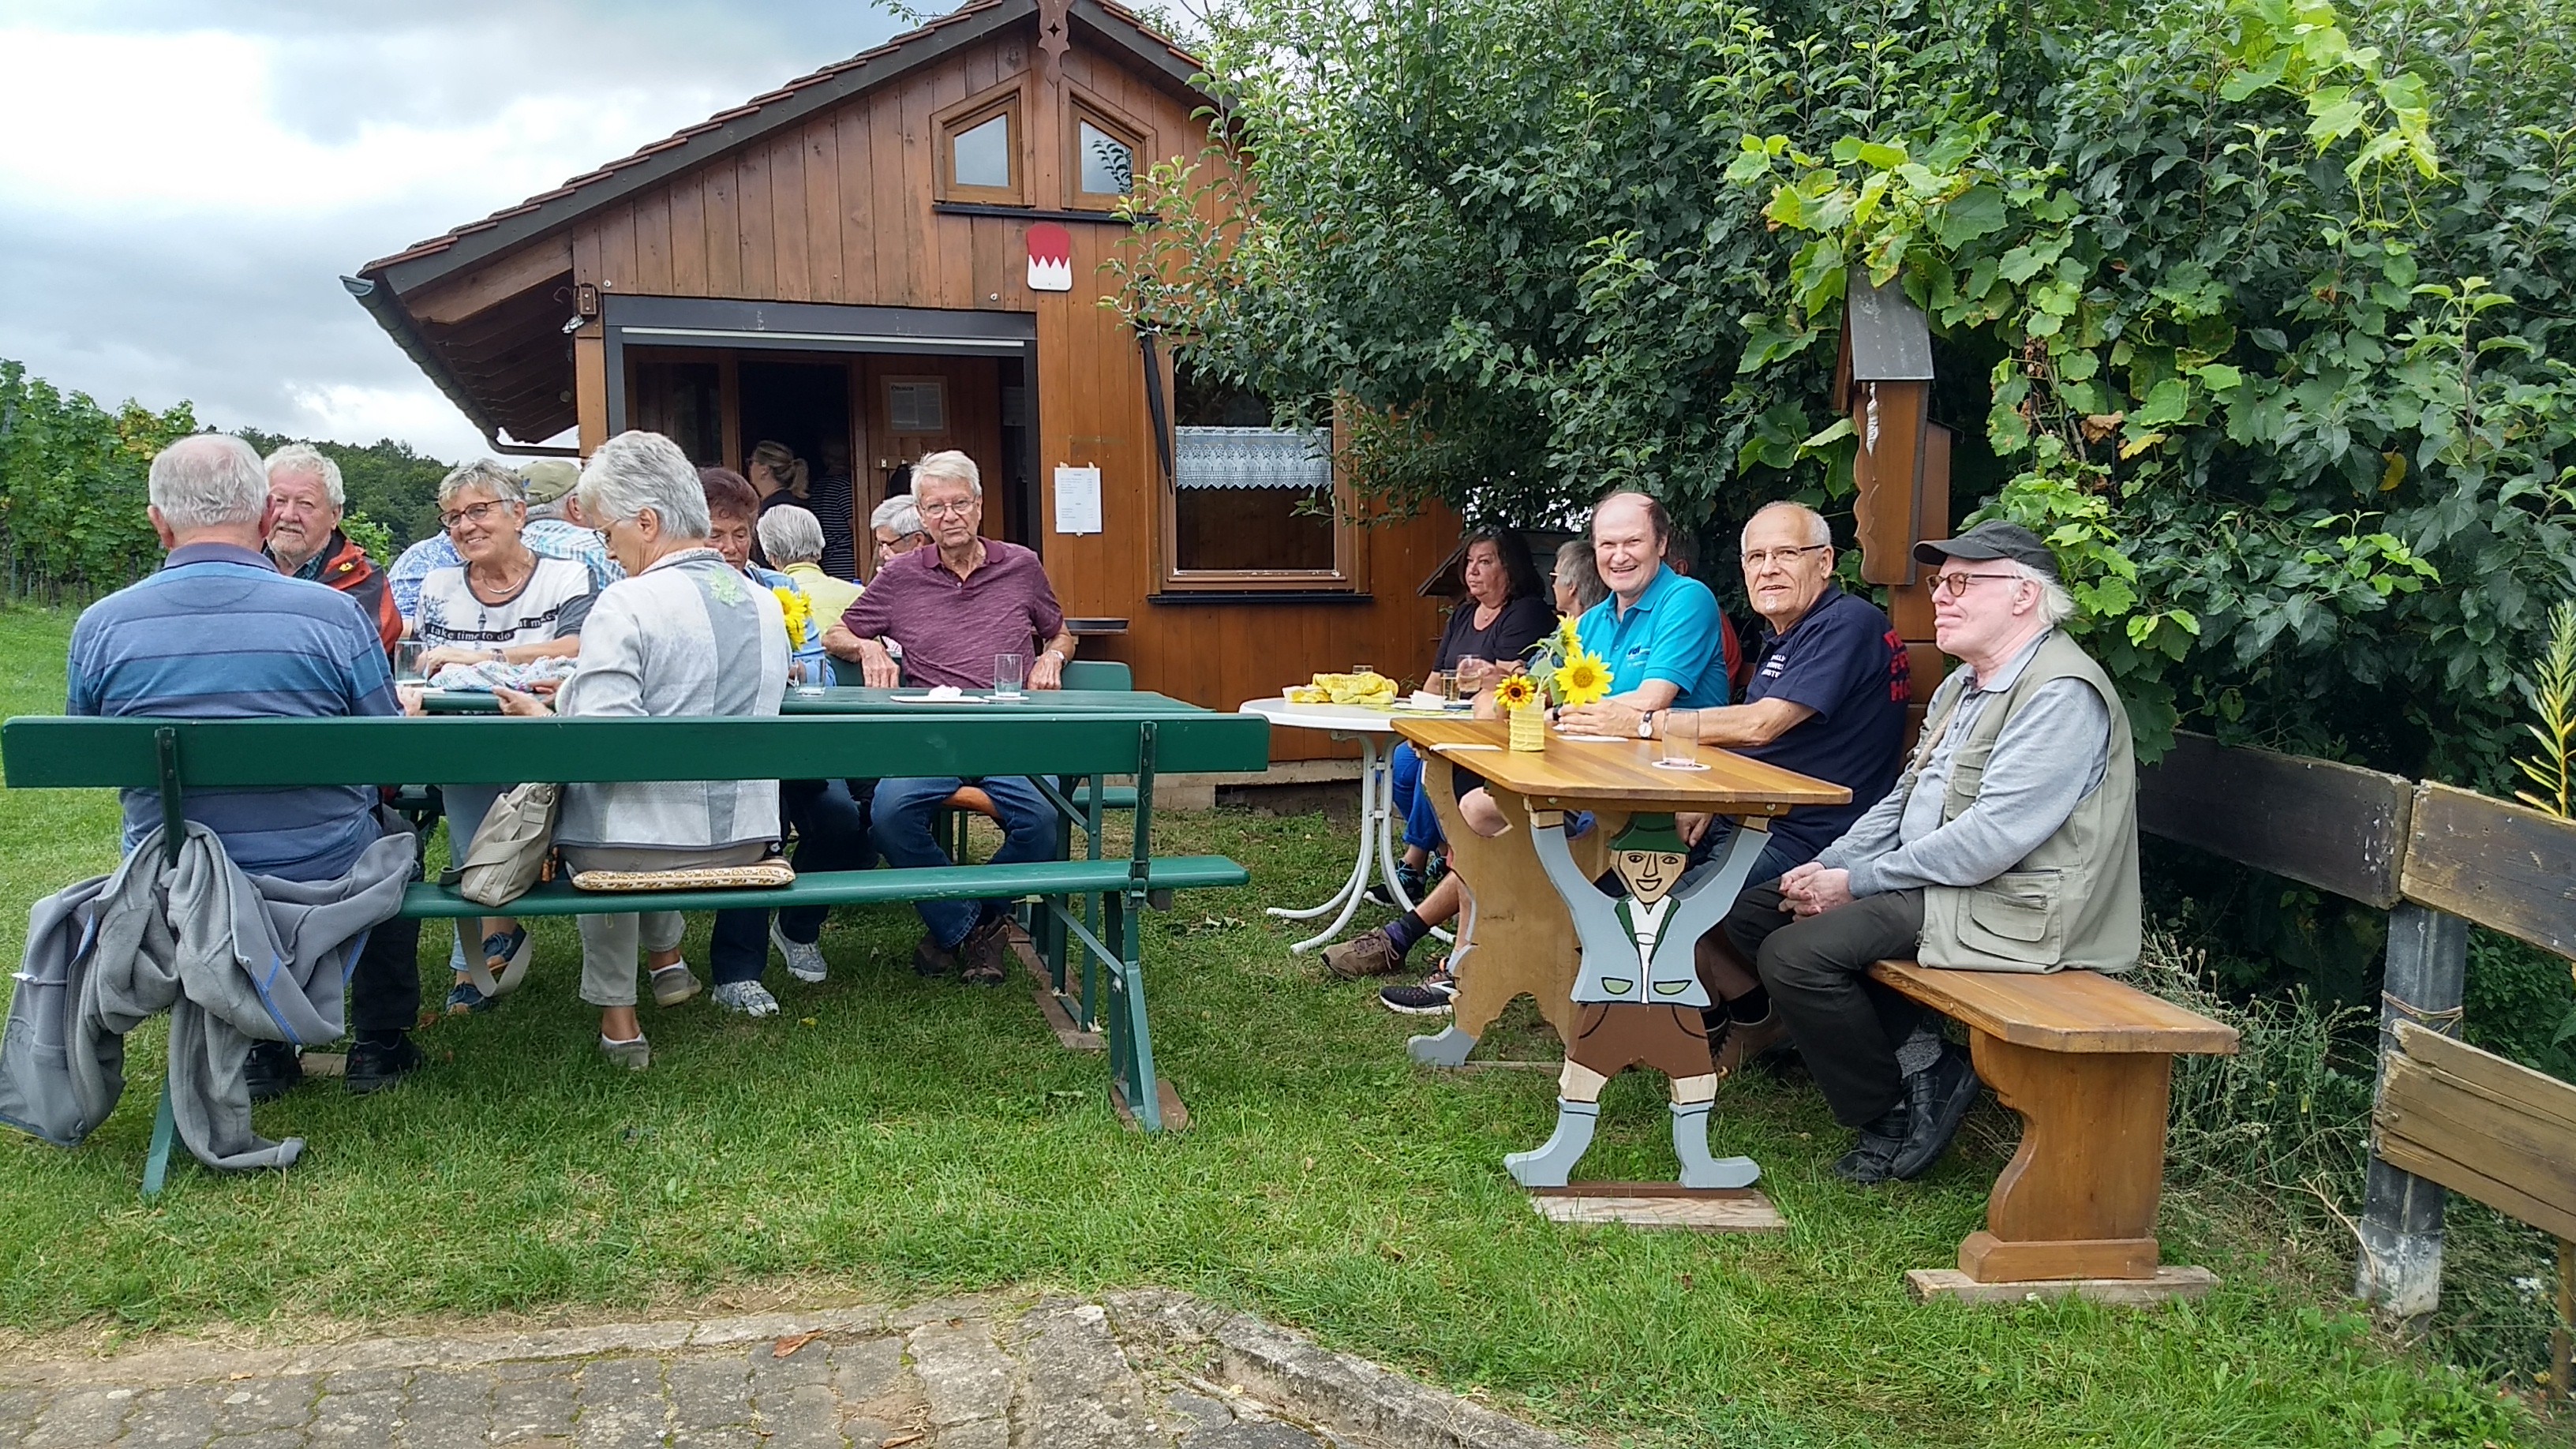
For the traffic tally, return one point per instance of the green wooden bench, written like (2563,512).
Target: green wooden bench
(1090,906)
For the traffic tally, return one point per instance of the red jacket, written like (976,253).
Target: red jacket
(346,567)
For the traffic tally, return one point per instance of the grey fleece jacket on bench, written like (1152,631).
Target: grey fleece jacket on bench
(232,957)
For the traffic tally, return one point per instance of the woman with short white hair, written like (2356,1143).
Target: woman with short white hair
(683,634)
(793,540)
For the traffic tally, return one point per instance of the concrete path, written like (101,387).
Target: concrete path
(1128,1372)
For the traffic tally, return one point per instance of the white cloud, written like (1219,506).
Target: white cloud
(190,180)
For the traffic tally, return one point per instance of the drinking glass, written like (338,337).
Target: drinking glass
(1008,671)
(1680,741)
(1363,669)
(407,662)
(1467,678)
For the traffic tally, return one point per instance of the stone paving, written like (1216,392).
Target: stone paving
(1136,1370)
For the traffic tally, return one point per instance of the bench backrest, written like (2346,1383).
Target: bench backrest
(1078,674)
(61,752)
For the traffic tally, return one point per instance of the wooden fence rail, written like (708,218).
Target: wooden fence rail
(2438,860)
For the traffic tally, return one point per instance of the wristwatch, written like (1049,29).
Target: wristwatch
(1646,724)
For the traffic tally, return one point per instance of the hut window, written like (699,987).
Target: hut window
(1250,505)
(1101,159)
(982,162)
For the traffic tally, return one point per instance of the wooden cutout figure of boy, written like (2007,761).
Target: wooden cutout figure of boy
(1638,999)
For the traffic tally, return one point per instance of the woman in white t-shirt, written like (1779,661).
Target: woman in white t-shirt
(505,602)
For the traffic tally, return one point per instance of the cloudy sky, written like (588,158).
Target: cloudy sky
(185,183)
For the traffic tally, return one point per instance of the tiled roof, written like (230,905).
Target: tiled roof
(971,11)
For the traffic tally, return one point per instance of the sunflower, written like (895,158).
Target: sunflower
(1582,679)
(1568,642)
(791,601)
(1516,692)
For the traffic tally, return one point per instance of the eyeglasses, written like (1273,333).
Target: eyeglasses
(1762,557)
(475,514)
(945,510)
(1956,584)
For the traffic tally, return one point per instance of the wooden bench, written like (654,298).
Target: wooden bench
(171,757)
(2086,1060)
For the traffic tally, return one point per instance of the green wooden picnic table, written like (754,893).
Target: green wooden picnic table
(1035,705)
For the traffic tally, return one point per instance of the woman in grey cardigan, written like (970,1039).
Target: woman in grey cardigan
(681,634)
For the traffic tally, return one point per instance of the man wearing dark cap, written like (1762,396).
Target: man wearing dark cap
(2010,843)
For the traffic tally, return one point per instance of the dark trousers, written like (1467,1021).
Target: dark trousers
(384,984)
(1817,968)
(831,834)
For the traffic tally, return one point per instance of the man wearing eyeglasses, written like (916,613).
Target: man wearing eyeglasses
(2010,843)
(955,608)
(1827,699)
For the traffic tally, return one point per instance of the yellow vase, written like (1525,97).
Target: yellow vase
(1529,728)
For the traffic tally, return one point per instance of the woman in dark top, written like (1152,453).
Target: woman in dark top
(1505,612)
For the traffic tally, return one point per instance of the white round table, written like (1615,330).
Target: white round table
(1370,727)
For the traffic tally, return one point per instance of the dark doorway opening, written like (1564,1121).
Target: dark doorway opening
(806,407)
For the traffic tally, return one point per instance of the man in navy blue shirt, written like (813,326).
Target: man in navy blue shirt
(219,633)
(1827,699)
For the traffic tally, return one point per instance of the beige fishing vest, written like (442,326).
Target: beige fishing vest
(2074,900)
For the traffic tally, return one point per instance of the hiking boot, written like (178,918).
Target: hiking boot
(749,998)
(1368,954)
(376,1063)
(1868,1163)
(674,984)
(981,955)
(929,958)
(1937,1099)
(273,1069)
(1433,997)
(804,958)
(1737,1044)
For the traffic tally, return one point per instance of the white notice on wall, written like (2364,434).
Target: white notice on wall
(1077,500)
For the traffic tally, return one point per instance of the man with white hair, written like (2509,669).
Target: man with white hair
(2010,843)
(219,633)
(897,527)
(955,607)
(305,504)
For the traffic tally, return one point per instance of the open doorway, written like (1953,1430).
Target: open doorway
(805,406)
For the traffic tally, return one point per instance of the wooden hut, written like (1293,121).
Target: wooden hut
(901,253)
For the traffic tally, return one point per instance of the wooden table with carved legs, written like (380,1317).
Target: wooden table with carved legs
(1515,937)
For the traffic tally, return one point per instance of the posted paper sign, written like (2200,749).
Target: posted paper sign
(1077,500)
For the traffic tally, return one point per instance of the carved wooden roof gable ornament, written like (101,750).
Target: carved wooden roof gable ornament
(1053,37)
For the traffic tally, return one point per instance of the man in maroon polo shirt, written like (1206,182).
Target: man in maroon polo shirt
(954,608)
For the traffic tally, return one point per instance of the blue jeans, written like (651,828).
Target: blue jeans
(831,834)
(1406,795)
(906,812)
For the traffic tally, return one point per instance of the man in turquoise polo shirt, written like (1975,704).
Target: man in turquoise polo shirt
(1659,631)
(1665,642)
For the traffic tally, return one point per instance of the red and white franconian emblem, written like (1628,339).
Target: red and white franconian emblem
(1050,258)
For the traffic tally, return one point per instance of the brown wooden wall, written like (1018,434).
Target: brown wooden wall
(840,210)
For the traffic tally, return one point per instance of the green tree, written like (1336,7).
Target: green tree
(2258,307)
(72,489)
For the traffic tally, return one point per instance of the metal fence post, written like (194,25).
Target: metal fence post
(2400,1268)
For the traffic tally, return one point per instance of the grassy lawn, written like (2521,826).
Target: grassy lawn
(890,1137)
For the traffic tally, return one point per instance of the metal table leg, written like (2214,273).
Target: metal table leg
(1345,903)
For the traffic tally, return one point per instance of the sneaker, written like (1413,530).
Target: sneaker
(982,953)
(1738,1044)
(1433,997)
(747,997)
(634,1055)
(465,997)
(929,958)
(1367,954)
(1415,882)
(273,1068)
(378,1063)
(804,958)
(1937,1099)
(673,984)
